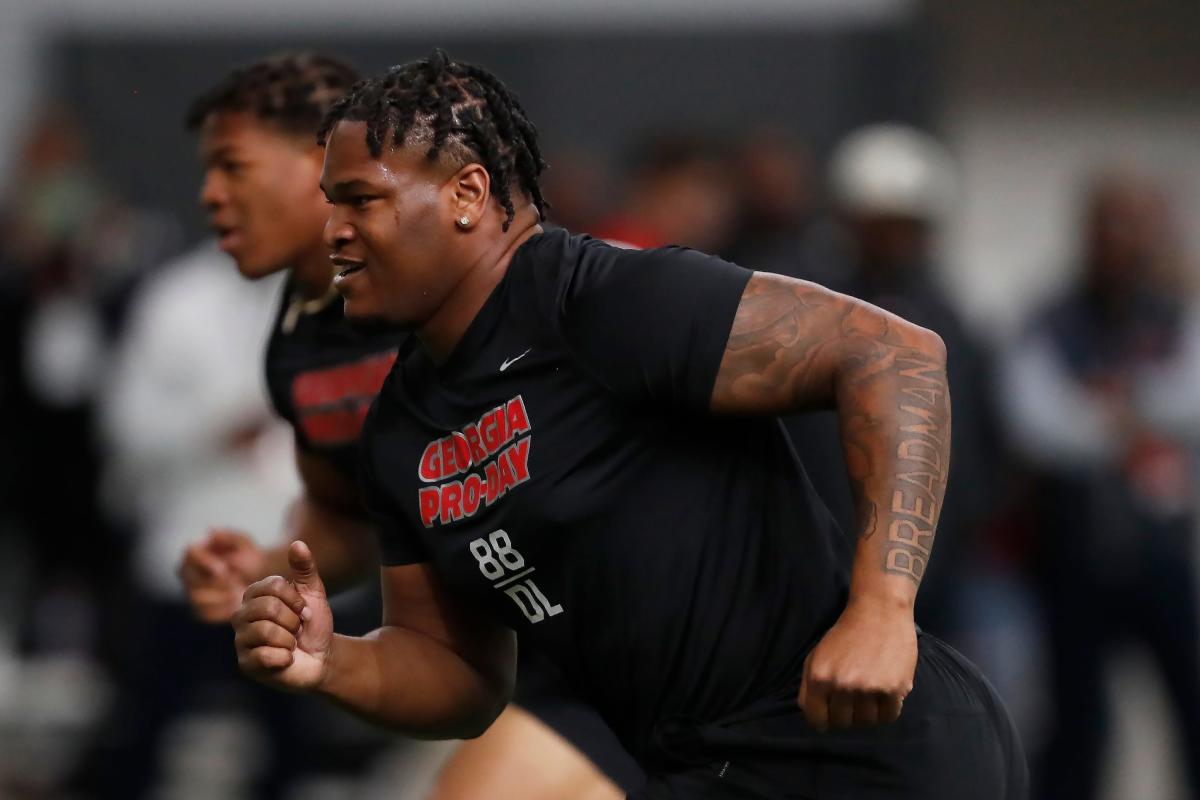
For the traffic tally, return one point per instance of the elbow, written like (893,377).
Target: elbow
(490,695)
(474,722)
(464,724)
(927,343)
(477,724)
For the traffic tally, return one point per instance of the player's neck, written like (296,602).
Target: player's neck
(442,333)
(312,276)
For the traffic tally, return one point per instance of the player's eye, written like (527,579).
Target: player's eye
(360,200)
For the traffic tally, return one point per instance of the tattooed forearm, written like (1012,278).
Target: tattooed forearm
(795,345)
(922,462)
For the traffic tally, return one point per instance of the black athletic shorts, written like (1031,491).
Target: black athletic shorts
(543,692)
(954,741)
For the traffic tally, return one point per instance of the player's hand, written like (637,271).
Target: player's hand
(284,630)
(861,670)
(216,572)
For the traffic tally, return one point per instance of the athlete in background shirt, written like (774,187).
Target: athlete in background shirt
(687,578)
(261,189)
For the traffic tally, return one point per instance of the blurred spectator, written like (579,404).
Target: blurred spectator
(777,199)
(678,191)
(188,429)
(189,435)
(69,253)
(1102,401)
(579,190)
(891,187)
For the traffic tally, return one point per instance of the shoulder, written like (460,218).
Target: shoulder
(546,267)
(565,269)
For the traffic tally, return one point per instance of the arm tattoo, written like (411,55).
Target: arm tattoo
(921,465)
(795,345)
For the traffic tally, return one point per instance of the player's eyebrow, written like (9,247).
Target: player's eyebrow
(218,152)
(343,188)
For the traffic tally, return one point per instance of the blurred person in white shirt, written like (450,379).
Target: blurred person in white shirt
(190,441)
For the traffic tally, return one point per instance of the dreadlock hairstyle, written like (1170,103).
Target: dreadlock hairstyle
(454,108)
(292,91)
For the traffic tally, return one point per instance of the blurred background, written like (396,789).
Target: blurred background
(1023,177)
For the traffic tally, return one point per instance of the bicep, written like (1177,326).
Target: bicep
(415,598)
(787,340)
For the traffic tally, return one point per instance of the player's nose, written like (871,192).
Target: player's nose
(213,193)
(338,231)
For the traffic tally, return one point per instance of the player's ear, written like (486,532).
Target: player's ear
(470,189)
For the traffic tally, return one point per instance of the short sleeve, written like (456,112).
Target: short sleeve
(651,325)
(398,543)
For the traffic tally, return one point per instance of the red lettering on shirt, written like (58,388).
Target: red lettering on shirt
(472,494)
(490,432)
(493,482)
(507,478)
(430,469)
(462,452)
(478,454)
(518,455)
(428,498)
(518,420)
(479,446)
(332,402)
(452,495)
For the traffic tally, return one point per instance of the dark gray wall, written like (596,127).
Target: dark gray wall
(594,91)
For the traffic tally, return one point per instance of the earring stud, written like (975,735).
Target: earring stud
(464,221)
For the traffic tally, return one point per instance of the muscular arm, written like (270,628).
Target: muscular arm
(794,346)
(329,518)
(432,670)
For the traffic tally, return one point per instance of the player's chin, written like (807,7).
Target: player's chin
(361,307)
(360,296)
(256,268)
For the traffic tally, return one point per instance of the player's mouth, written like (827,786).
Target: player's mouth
(346,267)
(228,238)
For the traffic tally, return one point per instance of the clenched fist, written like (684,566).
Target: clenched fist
(216,571)
(284,628)
(861,670)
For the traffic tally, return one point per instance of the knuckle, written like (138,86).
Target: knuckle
(821,677)
(851,685)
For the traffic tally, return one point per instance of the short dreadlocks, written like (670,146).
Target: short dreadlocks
(291,90)
(456,108)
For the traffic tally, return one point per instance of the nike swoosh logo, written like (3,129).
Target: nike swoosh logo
(509,362)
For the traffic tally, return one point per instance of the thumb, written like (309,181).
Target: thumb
(304,567)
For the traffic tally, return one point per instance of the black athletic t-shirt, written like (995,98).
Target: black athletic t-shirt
(562,470)
(323,374)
